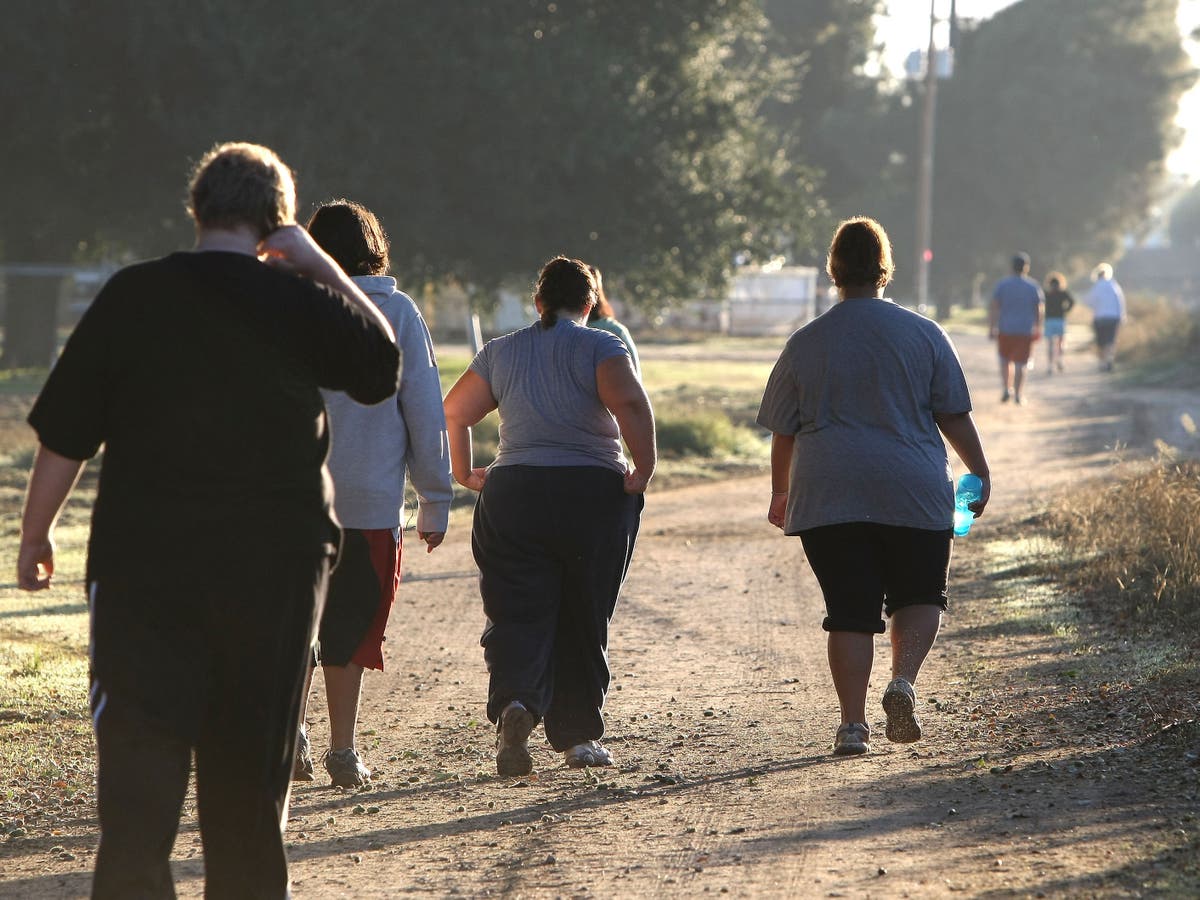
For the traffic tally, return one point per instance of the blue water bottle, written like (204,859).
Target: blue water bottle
(969,490)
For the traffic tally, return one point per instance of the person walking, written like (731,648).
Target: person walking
(372,448)
(1015,322)
(603,317)
(212,534)
(1107,302)
(858,405)
(557,516)
(1059,302)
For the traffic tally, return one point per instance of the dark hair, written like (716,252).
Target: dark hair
(1056,280)
(350,233)
(603,309)
(239,184)
(564,284)
(860,254)
(1020,262)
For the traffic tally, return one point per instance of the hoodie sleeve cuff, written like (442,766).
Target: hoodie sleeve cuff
(433,517)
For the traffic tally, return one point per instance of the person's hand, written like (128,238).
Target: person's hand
(636,481)
(474,480)
(992,333)
(432,539)
(35,563)
(1037,333)
(985,493)
(775,515)
(292,247)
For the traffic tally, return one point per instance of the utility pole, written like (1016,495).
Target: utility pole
(925,168)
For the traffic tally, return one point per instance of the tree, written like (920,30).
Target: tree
(1184,225)
(488,137)
(826,94)
(1052,134)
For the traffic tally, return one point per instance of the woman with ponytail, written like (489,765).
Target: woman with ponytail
(557,515)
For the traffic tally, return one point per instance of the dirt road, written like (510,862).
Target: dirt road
(721,719)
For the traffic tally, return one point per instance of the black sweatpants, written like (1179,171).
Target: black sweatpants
(218,669)
(553,545)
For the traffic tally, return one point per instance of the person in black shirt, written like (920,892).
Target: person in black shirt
(1058,303)
(212,532)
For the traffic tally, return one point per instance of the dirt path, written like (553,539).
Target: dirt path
(721,720)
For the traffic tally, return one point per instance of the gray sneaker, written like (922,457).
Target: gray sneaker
(899,702)
(853,739)
(345,768)
(512,741)
(302,766)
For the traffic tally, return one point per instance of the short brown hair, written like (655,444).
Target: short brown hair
(860,254)
(352,235)
(242,184)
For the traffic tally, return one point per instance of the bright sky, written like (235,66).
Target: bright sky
(905,28)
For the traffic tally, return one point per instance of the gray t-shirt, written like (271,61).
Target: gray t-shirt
(1019,297)
(859,387)
(544,382)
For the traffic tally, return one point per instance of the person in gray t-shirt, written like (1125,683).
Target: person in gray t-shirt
(557,515)
(1015,322)
(858,404)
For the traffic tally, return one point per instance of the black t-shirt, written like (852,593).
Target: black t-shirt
(199,373)
(1058,304)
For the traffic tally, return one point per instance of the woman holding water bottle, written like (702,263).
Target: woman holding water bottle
(858,404)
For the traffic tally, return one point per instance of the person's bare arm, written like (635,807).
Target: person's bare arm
(50,483)
(994,319)
(959,429)
(468,401)
(292,245)
(623,396)
(782,446)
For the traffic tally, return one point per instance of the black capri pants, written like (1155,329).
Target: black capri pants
(865,568)
(553,545)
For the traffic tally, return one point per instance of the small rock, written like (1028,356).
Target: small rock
(881,871)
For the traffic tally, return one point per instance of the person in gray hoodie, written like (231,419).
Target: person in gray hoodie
(372,447)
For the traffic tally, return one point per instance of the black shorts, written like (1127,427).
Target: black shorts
(1106,331)
(865,569)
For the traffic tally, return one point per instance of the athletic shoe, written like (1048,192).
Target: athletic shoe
(512,740)
(589,753)
(853,739)
(1005,397)
(899,701)
(345,768)
(302,766)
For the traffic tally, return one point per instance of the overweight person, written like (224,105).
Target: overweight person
(858,405)
(557,515)
(212,532)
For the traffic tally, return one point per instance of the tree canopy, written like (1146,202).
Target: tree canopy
(1053,133)
(488,136)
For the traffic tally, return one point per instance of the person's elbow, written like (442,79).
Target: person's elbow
(379,380)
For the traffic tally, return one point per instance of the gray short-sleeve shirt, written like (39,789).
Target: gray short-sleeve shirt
(544,382)
(859,387)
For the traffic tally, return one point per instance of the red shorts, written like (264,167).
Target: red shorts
(1016,348)
(361,591)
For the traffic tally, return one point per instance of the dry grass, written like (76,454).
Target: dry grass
(1133,545)
(1161,340)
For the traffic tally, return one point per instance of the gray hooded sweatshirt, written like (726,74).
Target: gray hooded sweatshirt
(373,446)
